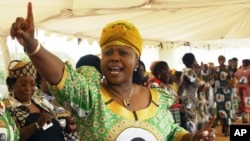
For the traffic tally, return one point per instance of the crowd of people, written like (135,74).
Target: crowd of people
(204,91)
(110,98)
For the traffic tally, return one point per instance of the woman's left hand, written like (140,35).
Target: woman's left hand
(207,133)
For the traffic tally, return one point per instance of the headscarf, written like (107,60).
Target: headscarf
(121,33)
(19,68)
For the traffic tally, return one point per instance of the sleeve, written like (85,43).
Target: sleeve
(78,89)
(179,135)
(168,97)
(177,132)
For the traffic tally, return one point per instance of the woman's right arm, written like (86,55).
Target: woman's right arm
(46,63)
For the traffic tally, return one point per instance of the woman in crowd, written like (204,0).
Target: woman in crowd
(204,94)
(118,109)
(188,91)
(223,95)
(243,77)
(34,116)
(162,79)
(139,75)
(89,60)
(161,75)
(87,65)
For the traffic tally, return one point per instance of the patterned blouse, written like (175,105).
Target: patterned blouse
(105,119)
(22,116)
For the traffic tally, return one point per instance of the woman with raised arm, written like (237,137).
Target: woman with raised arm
(117,108)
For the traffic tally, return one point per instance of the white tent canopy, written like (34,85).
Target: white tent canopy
(161,22)
(158,20)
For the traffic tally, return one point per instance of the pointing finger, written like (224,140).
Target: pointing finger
(29,18)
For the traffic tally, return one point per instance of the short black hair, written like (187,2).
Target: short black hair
(188,59)
(235,59)
(246,62)
(90,60)
(138,78)
(159,66)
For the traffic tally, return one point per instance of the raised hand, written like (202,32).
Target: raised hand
(23,30)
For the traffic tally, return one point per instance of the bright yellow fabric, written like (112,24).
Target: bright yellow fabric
(121,33)
(60,85)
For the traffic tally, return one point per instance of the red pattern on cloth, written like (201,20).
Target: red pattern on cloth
(244,93)
(243,77)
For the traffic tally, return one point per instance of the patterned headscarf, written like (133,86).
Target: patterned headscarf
(121,33)
(19,68)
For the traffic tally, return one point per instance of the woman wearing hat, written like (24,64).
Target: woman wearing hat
(34,116)
(117,108)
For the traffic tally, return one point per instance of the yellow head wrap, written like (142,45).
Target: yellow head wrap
(121,33)
(19,68)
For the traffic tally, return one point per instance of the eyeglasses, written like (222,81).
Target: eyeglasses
(24,84)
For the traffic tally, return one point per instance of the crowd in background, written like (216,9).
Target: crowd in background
(200,90)
(204,90)
(111,98)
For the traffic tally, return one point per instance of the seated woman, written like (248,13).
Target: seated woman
(35,116)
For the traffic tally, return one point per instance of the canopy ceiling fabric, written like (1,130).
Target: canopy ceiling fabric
(158,20)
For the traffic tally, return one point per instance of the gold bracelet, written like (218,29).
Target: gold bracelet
(36,50)
(37,126)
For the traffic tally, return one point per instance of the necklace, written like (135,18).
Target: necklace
(126,101)
(27,104)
